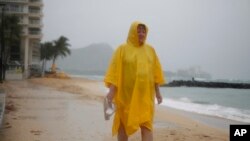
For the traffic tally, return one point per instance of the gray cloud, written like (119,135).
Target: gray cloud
(212,34)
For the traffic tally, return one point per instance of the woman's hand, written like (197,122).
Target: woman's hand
(159,98)
(111,93)
(158,94)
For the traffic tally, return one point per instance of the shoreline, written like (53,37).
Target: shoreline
(208,120)
(71,109)
(211,121)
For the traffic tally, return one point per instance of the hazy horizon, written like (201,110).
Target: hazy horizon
(209,34)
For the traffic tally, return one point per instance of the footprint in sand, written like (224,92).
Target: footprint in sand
(7,125)
(172,132)
(35,132)
(203,136)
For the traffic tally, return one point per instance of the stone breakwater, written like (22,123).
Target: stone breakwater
(179,83)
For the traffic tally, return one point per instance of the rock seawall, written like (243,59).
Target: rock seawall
(179,83)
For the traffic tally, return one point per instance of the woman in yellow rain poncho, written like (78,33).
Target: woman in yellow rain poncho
(133,78)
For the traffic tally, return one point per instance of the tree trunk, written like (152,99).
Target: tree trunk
(6,56)
(53,67)
(43,64)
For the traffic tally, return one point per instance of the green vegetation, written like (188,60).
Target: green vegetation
(52,50)
(10,40)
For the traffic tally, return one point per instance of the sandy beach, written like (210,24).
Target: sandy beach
(49,109)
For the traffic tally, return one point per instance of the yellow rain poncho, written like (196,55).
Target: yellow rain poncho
(134,70)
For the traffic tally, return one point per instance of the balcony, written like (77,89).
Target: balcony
(35,1)
(16,9)
(35,23)
(37,36)
(35,33)
(38,3)
(35,12)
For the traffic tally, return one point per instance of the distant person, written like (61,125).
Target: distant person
(133,79)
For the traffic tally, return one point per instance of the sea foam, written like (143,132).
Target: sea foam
(208,109)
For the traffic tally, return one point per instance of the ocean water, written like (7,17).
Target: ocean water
(231,104)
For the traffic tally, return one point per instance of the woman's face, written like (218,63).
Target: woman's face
(141,30)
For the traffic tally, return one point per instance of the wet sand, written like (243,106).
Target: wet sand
(50,109)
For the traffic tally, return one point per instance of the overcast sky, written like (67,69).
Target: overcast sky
(212,34)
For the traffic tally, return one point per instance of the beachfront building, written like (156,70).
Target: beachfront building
(28,52)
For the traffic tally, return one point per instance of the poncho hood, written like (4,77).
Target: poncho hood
(133,35)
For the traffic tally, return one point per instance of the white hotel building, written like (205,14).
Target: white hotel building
(30,14)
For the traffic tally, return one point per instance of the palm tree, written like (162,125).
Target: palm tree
(60,49)
(46,51)
(12,31)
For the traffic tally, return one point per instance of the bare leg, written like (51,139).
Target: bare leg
(146,134)
(122,136)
